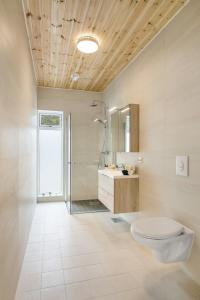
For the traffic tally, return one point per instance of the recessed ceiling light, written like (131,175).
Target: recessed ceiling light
(75,76)
(87,44)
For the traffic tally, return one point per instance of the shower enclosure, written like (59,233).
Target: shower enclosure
(84,144)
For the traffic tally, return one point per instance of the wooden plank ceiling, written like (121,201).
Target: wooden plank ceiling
(122,27)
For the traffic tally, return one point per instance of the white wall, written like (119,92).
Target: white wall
(85,135)
(17,144)
(164,80)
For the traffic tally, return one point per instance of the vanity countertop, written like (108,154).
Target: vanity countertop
(116,174)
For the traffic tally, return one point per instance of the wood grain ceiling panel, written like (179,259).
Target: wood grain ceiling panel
(122,27)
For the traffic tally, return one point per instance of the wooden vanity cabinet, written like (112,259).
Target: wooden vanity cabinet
(119,195)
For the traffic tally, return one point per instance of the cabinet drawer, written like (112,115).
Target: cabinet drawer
(106,198)
(118,194)
(106,183)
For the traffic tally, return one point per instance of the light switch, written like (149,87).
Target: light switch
(182,165)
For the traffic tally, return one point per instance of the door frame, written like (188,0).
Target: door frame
(54,198)
(68,162)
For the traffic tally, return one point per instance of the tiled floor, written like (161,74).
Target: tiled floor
(88,256)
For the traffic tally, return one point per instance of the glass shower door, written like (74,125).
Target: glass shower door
(68,178)
(82,156)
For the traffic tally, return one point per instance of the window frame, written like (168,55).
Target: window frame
(51,113)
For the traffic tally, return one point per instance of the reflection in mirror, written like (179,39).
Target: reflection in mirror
(115,131)
(125,129)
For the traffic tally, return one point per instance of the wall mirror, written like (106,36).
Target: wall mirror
(125,129)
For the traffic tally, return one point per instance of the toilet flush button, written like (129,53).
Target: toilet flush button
(182,165)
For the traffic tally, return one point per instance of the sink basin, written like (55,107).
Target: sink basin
(116,174)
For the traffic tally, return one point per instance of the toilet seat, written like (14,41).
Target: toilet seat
(168,240)
(157,228)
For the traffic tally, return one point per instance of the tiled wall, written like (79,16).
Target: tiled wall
(164,80)
(17,144)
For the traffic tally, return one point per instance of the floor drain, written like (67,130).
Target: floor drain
(117,220)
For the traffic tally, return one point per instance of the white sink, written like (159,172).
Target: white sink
(116,174)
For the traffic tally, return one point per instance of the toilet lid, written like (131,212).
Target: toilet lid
(158,228)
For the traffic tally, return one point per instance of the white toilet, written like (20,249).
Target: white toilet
(169,240)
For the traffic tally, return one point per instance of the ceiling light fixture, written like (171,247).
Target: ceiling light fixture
(87,44)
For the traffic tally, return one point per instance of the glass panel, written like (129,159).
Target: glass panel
(50,120)
(50,162)
(68,163)
(83,165)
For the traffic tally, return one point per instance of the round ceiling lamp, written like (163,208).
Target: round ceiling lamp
(87,44)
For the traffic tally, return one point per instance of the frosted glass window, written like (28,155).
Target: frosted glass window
(50,144)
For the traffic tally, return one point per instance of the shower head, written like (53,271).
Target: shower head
(94,104)
(103,122)
(99,103)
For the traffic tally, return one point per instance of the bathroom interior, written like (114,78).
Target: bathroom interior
(99,150)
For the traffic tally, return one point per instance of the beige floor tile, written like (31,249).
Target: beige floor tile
(80,260)
(120,266)
(166,286)
(51,265)
(72,250)
(51,237)
(32,267)
(35,238)
(51,245)
(28,282)
(116,254)
(112,284)
(94,271)
(37,229)
(78,291)
(101,286)
(37,246)
(74,275)
(51,229)
(33,295)
(31,256)
(124,282)
(134,294)
(53,278)
(51,253)
(54,293)
(83,273)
